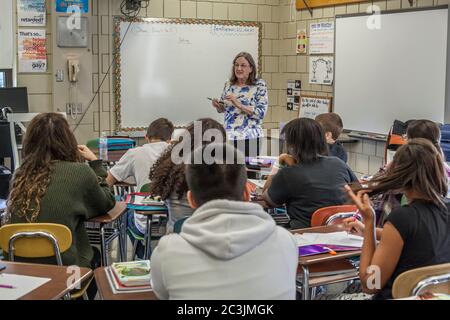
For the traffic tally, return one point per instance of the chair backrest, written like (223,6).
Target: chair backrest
(145,188)
(434,278)
(35,240)
(332,214)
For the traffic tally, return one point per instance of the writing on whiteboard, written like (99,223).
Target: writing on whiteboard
(310,107)
(219,30)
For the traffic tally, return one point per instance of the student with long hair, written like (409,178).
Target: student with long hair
(415,235)
(168,178)
(55,185)
(311,180)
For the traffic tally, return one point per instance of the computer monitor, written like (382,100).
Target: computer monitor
(15,98)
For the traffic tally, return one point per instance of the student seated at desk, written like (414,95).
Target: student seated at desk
(313,180)
(136,164)
(229,248)
(415,235)
(54,185)
(167,177)
(332,125)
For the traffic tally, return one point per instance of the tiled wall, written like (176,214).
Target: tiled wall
(280,21)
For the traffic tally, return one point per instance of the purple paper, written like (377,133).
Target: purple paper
(319,249)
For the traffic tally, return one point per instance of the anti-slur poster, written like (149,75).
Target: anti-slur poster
(32,49)
(31,13)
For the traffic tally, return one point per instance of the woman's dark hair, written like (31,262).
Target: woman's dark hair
(424,129)
(48,139)
(252,76)
(305,140)
(417,167)
(166,176)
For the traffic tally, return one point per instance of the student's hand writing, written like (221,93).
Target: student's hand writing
(353,225)
(286,160)
(86,153)
(361,199)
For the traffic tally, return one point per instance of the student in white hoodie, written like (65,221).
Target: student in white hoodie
(229,248)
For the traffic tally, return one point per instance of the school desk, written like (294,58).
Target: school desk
(323,259)
(115,215)
(106,293)
(62,280)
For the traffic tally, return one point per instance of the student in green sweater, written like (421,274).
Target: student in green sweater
(55,185)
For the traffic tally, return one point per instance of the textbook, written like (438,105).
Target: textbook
(132,273)
(143,201)
(116,287)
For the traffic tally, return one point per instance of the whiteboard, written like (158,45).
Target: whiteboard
(395,72)
(168,68)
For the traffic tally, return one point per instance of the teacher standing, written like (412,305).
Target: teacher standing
(244,101)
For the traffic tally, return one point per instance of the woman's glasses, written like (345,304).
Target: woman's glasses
(243,66)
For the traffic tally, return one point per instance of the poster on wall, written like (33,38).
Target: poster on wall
(302,41)
(32,50)
(311,106)
(321,38)
(31,13)
(321,70)
(63,5)
(293,94)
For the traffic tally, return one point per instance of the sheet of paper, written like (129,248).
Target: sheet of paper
(341,238)
(258,183)
(21,285)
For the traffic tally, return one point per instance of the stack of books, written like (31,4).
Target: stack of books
(129,277)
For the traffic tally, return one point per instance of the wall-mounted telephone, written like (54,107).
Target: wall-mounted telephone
(74,68)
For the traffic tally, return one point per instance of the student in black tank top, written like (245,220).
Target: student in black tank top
(415,235)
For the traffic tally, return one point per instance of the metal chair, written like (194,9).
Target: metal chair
(39,240)
(413,282)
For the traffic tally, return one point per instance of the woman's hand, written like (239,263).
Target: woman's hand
(286,160)
(218,105)
(353,225)
(361,199)
(233,99)
(87,153)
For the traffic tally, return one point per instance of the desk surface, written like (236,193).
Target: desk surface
(105,292)
(112,215)
(325,257)
(56,288)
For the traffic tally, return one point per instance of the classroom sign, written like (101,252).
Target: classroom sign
(321,38)
(311,107)
(321,70)
(64,5)
(32,50)
(31,13)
